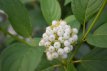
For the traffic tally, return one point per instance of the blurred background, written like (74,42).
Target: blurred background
(37,20)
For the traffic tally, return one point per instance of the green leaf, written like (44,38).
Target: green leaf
(54,69)
(102,20)
(19,57)
(99,37)
(83,50)
(85,9)
(94,61)
(51,10)
(60,69)
(38,21)
(18,16)
(70,67)
(73,22)
(9,40)
(26,1)
(67,2)
(37,40)
(37,17)
(49,69)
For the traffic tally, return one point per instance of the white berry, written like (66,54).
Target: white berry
(52,38)
(57,45)
(66,35)
(64,56)
(60,33)
(67,26)
(61,39)
(49,32)
(66,43)
(49,56)
(55,55)
(75,37)
(55,29)
(67,49)
(45,35)
(71,40)
(75,30)
(71,47)
(51,49)
(41,43)
(54,22)
(48,28)
(62,23)
(68,30)
(60,51)
(47,44)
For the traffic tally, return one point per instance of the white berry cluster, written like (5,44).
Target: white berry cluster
(59,39)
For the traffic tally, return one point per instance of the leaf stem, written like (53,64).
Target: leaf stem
(65,68)
(58,65)
(83,28)
(78,61)
(96,18)
(14,36)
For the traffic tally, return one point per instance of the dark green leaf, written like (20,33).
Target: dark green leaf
(49,69)
(83,50)
(26,1)
(72,21)
(94,61)
(37,18)
(102,19)
(54,69)
(70,67)
(36,41)
(18,16)
(60,69)
(19,57)
(38,21)
(67,1)
(85,9)
(9,40)
(99,37)
(51,10)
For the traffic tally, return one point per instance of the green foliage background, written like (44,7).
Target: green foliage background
(29,18)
